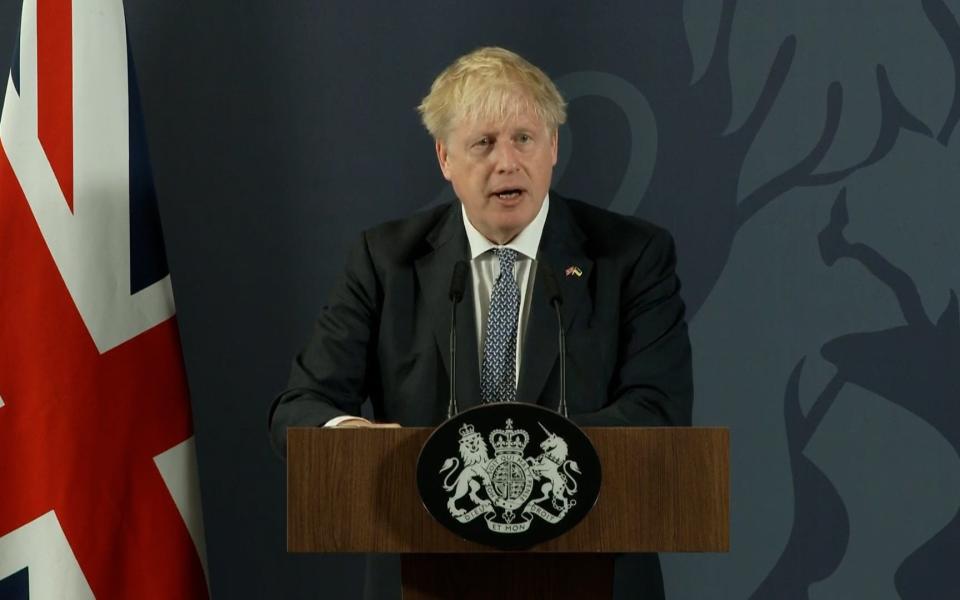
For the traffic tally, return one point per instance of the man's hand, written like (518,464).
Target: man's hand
(358,422)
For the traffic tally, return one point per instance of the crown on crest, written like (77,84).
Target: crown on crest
(467,432)
(509,440)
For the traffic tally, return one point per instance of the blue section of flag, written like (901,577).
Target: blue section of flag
(16,586)
(148,262)
(15,64)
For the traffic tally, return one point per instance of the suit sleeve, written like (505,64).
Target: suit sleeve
(331,376)
(653,379)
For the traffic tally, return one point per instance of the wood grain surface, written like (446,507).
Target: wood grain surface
(665,489)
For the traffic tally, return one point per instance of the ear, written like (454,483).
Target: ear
(554,141)
(443,158)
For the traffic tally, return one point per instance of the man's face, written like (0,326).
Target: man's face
(500,170)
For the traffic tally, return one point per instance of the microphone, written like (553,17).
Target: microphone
(555,298)
(458,282)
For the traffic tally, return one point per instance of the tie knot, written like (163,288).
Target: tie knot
(507,257)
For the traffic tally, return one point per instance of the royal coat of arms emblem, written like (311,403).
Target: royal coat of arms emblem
(501,486)
(502,480)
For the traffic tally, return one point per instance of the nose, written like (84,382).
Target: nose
(505,158)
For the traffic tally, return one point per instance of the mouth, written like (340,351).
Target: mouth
(507,194)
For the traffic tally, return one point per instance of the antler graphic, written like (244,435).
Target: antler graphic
(712,195)
(911,365)
(821,526)
(947,28)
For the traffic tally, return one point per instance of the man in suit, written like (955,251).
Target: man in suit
(384,334)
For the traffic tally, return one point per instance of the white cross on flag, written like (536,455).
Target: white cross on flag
(98,486)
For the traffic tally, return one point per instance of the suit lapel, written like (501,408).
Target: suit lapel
(561,247)
(449,245)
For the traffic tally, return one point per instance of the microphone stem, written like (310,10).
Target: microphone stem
(563,361)
(452,407)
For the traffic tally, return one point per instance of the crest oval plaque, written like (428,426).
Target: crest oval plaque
(508,475)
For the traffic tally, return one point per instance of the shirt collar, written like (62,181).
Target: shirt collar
(526,242)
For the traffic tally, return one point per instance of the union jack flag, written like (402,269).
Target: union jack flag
(98,486)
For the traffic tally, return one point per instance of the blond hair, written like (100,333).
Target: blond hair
(490,83)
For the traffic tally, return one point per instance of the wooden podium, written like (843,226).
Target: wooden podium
(664,489)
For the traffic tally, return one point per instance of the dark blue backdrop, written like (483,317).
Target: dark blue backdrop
(802,152)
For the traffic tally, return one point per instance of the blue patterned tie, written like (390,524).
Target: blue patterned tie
(498,374)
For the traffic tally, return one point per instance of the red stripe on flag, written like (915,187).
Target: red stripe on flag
(55,88)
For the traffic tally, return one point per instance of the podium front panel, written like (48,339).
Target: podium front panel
(665,489)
